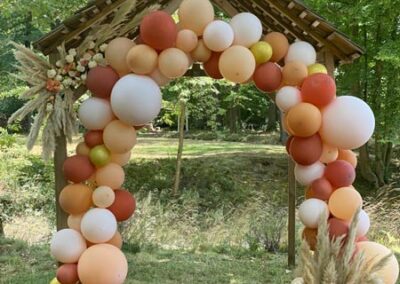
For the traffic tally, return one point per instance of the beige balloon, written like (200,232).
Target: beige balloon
(159,78)
(186,40)
(173,63)
(115,54)
(121,159)
(201,53)
(237,64)
(111,175)
(82,149)
(119,137)
(103,196)
(195,15)
(74,222)
(329,154)
(142,59)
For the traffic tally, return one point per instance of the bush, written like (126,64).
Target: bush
(10,103)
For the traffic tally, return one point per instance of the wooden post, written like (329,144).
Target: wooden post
(329,62)
(291,214)
(182,106)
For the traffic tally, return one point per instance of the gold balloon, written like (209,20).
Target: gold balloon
(195,15)
(142,59)
(262,52)
(115,54)
(173,63)
(316,68)
(201,53)
(237,64)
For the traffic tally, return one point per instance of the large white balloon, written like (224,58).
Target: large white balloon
(136,99)
(218,36)
(67,246)
(287,97)
(311,211)
(305,175)
(98,225)
(247,29)
(363,224)
(95,113)
(347,123)
(301,51)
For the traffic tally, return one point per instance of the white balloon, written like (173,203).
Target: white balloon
(363,224)
(347,123)
(218,36)
(247,29)
(103,196)
(98,225)
(287,97)
(301,51)
(67,246)
(305,175)
(159,78)
(136,99)
(95,113)
(311,212)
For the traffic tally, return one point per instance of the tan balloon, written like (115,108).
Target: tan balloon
(187,40)
(159,78)
(329,154)
(103,196)
(201,53)
(237,64)
(348,156)
(344,202)
(121,159)
(116,240)
(82,149)
(304,119)
(74,222)
(111,175)
(279,44)
(116,52)
(195,15)
(119,137)
(173,63)
(142,59)
(75,198)
(294,73)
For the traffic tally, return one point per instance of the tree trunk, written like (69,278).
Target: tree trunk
(272,118)
(365,166)
(283,136)
(60,154)
(233,119)
(182,106)
(1,228)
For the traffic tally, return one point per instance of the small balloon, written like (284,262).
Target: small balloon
(159,78)
(294,73)
(247,29)
(306,151)
(68,274)
(121,159)
(119,137)
(142,59)
(262,52)
(211,67)
(279,44)
(76,198)
(95,113)
(338,228)
(344,203)
(363,223)
(115,54)
(195,15)
(201,53)
(103,196)
(67,245)
(186,40)
(100,81)
(301,51)
(316,68)
(100,156)
(98,225)
(348,156)
(82,149)
(173,63)
(311,211)
(93,138)
(322,189)
(124,205)
(340,173)
(287,97)
(329,154)
(74,222)
(305,175)
(268,77)
(237,64)
(319,90)
(78,168)
(310,236)
(218,36)
(304,119)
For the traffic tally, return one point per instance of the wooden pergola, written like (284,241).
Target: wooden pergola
(291,18)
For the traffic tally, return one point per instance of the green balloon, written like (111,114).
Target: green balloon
(100,155)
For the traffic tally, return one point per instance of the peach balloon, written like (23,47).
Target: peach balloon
(187,40)
(285,125)
(116,240)
(173,63)
(119,137)
(102,264)
(116,52)
(344,203)
(304,119)
(279,44)
(201,53)
(159,78)
(195,15)
(329,154)
(348,156)
(237,64)
(103,196)
(75,198)
(294,73)
(111,175)
(74,222)
(121,159)
(142,59)
(82,149)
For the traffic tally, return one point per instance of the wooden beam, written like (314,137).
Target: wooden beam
(291,5)
(291,214)
(329,61)
(226,7)
(303,15)
(315,23)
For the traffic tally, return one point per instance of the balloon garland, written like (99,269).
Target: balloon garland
(126,95)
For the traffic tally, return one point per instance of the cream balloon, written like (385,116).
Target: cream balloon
(121,159)
(159,78)
(301,51)
(173,63)
(136,99)
(247,29)
(201,53)
(111,175)
(67,245)
(103,196)
(287,97)
(311,211)
(95,113)
(347,123)
(305,175)
(218,36)
(74,222)
(186,40)
(195,15)
(98,225)
(363,223)
(237,64)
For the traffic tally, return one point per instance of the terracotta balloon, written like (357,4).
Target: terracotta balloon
(344,203)
(78,168)
(111,175)
(279,44)
(294,73)
(74,222)
(159,78)
(94,138)
(348,156)
(268,77)
(116,240)
(124,205)
(121,159)
(195,15)
(103,196)
(340,173)
(338,228)
(186,40)
(309,193)
(373,253)
(158,30)
(304,119)
(288,142)
(218,36)
(102,264)
(67,274)
(75,198)
(201,53)
(82,149)
(211,67)
(142,59)
(329,154)
(237,64)
(173,63)
(116,52)
(322,189)
(310,236)
(306,151)
(100,81)
(319,90)
(118,137)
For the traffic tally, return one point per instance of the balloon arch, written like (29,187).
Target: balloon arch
(126,95)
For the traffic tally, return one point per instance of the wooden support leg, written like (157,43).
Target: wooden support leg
(291,214)
(60,154)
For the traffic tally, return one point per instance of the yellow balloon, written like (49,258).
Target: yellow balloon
(262,52)
(316,68)
(54,281)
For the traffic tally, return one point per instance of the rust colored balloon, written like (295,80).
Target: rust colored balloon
(338,228)
(279,44)
(75,199)
(322,189)
(211,66)
(100,81)
(348,156)
(124,205)
(308,192)
(340,173)
(268,77)
(310,235)
(67,274)
(288,142)
(94,138)
(158,30)
(294,73)
(304,120)
(306,151)
(78,168)
(318,89)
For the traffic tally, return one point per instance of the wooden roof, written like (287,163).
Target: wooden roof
(290,17)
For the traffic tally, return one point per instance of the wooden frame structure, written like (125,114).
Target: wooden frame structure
(290,17)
